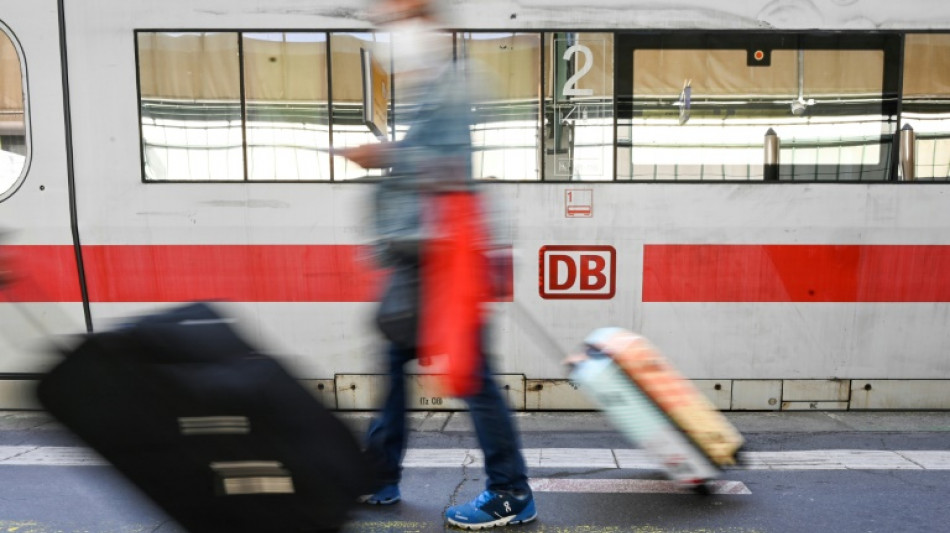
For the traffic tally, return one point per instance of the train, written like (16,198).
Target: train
(760,187)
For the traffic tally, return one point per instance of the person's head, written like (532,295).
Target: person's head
(418,50)
(387,12)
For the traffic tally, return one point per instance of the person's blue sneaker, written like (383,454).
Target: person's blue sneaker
(493,508)
(387,495)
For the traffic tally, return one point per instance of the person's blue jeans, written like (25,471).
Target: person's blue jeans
(494,428)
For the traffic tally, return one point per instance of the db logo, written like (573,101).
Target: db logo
(578,272)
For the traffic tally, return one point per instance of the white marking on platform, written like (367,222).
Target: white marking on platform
(634,459)
(49,456)
(588,458)
(831,460)
(928,460)
(631,486)
(571,457)
(441,457)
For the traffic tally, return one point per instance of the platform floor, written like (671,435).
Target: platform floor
(811,471)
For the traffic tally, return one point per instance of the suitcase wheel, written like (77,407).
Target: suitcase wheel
(742,460)
(703,488)
(699,486)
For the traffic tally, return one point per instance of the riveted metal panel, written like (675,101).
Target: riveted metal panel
(18,394)
(810,390)
(555,395)
(900,394)
(815,406)
(360,392)
(365,392)
(512,389)
(422,393)
(323,389)
(719,392)
(756,394)
(562,395)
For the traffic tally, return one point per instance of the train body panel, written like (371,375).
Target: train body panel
(38,212)
(39,209)
(734,281)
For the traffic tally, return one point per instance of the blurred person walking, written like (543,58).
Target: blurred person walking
(433,157)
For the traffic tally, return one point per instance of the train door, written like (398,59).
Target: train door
(705,106)
(37,241)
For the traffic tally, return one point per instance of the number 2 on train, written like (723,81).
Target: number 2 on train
(570,86)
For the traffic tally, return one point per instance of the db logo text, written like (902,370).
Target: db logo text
(578,272)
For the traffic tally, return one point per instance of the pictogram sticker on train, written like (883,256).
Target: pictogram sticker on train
(579,203)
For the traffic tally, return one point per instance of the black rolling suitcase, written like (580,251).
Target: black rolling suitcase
(220,436)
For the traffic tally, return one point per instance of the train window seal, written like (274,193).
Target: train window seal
(16,184)
(889,43)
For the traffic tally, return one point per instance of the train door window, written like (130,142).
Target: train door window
(705,107)
(362,90)
(190,106)
(578,133)
(14,149)
(926,106)
(286,106)
(504,71)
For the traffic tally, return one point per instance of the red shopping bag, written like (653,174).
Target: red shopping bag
(455,283)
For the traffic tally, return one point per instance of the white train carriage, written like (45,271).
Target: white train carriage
(759,187)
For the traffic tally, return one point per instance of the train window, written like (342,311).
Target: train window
(272,106)
(361,84)
(578,106)
(14,149)
(926,105)
(286,106)
(702,106)
(504,72)
(190,106)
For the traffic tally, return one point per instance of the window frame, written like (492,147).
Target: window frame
(242,101)
(27,129)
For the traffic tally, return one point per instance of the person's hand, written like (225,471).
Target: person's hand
(368,155)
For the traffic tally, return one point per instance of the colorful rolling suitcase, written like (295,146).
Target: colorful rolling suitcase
(657,408)
(219,435)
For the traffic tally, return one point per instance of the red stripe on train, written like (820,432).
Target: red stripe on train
(336,273)
(796,273)
(39,274)
(177,273)
(180,273)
